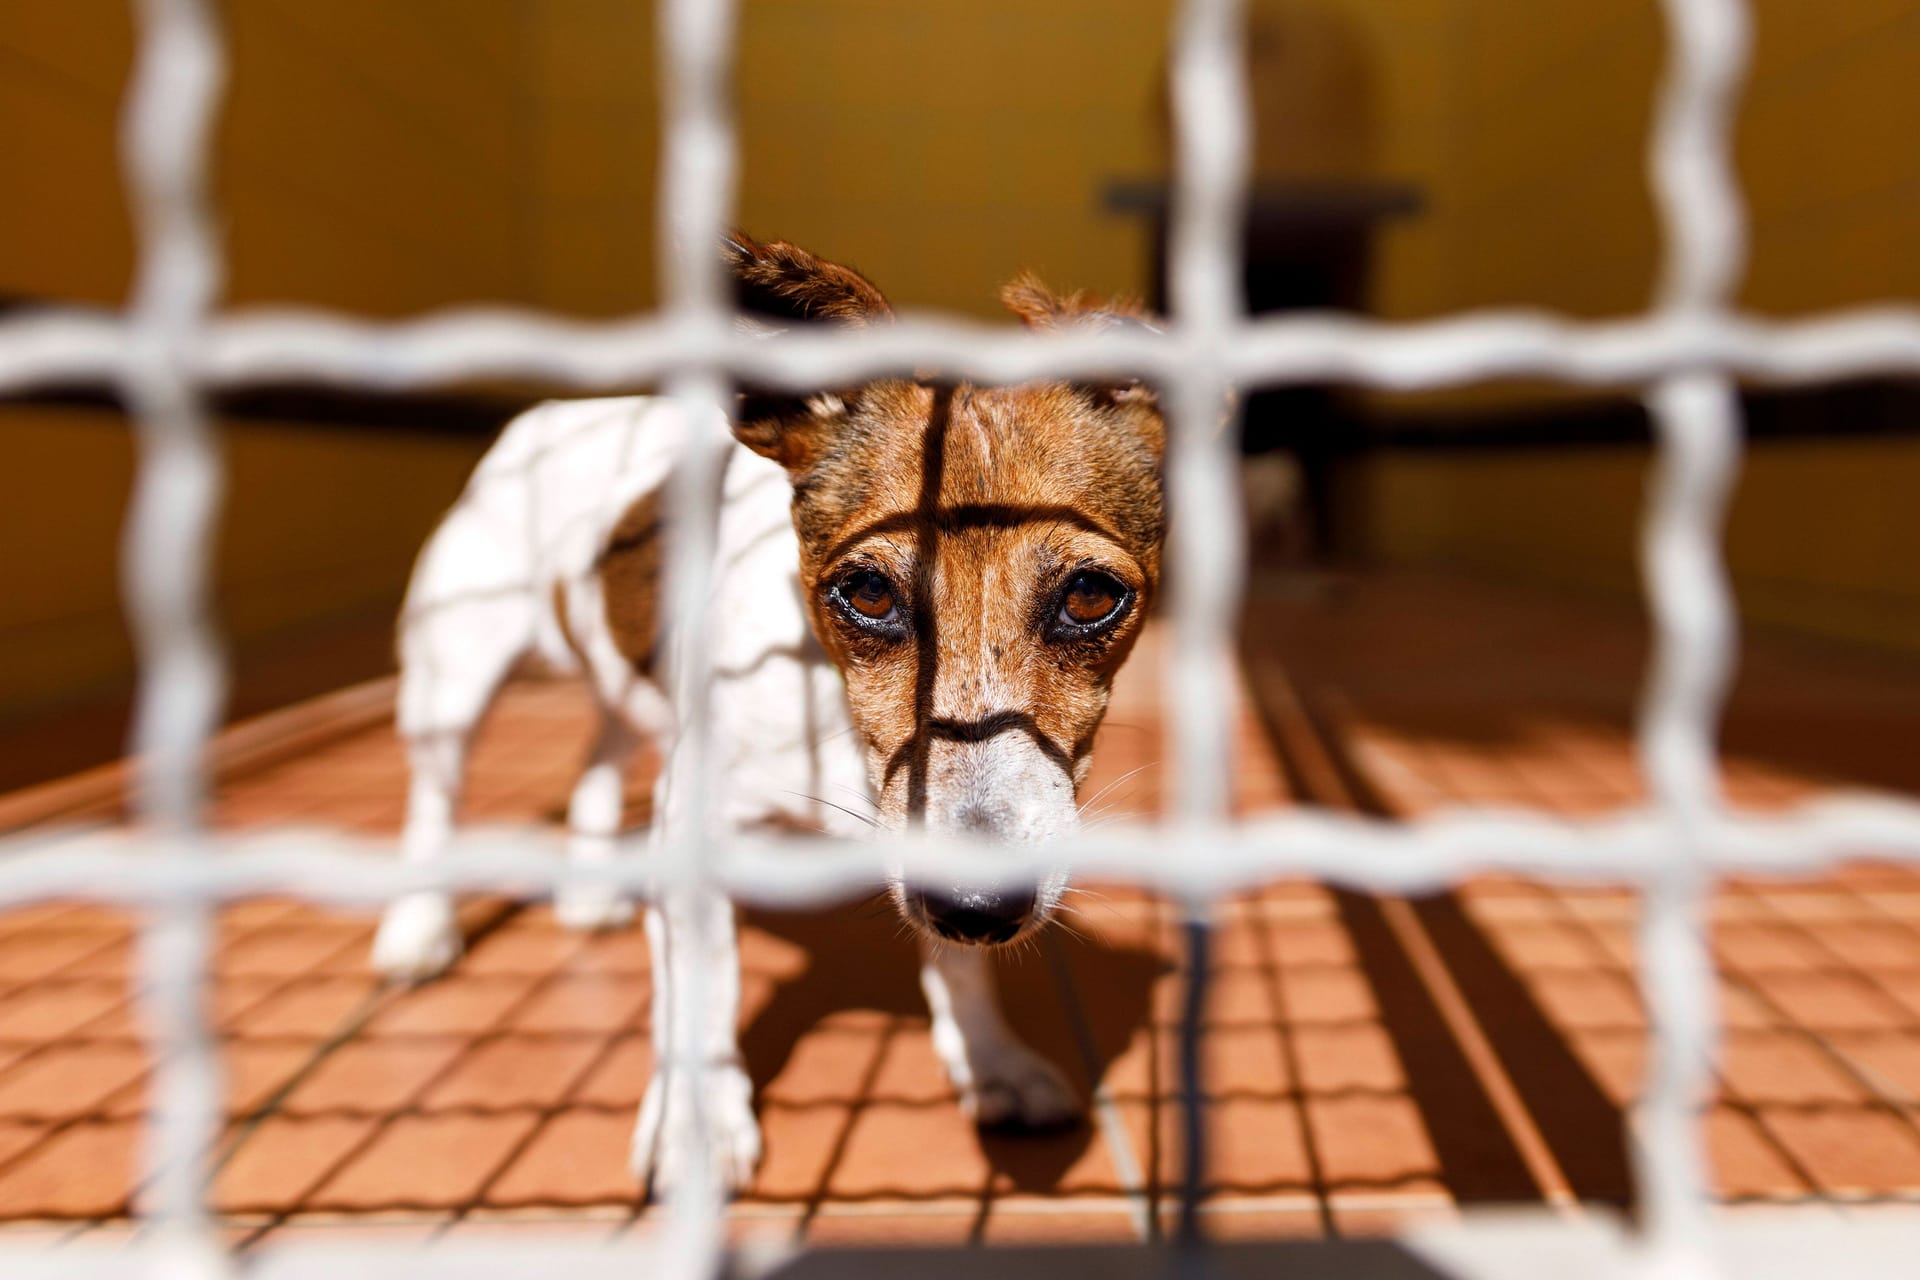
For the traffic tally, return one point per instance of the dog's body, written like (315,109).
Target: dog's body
(835,691)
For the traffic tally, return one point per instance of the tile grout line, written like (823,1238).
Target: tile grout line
(545,1116)
(1113,1129)
(862,1099)
(497,1028)
(1336,787)
(1880,1089)
(100,1112)
(1297,1092)
(351,1023)
(350,1026)
(1815,1190)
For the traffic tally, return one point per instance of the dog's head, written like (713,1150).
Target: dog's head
(978,561)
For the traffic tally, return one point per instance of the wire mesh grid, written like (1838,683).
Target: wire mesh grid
(171,346)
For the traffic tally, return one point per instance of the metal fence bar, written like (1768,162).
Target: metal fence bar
(166,559)
(696,200)
(1205,539)
(55,347)
(1697,423)
(1424,855)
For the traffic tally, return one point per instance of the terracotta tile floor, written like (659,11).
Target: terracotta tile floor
(1369,1060)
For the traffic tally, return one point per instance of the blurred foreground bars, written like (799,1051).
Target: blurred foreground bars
(169,347)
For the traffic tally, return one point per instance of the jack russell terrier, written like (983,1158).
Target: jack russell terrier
(923,592)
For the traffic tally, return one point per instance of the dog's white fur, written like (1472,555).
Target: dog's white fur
(534,519)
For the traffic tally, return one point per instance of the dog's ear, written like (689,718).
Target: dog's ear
(1041,308)
(777,285)
(780,282)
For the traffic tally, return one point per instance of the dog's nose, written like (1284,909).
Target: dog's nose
(977,915)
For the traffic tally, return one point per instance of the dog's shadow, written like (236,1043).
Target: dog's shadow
(1079,1000)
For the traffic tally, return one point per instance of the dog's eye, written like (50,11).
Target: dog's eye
(870,594)
(866,597)
(1089,602)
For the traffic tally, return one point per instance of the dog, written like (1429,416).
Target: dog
(923,592)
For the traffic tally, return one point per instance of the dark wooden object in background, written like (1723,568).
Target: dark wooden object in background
(1309,247)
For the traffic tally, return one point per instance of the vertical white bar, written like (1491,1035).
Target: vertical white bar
(696,199)
(1205,547)
(1204,288)
(1696,419)
(166,558)
(1697,426)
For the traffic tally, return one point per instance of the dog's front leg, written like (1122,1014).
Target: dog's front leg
(696,1004)
(1002,1082)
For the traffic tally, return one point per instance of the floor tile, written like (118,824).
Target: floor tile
(577,1157)
(82,1171)
(426,1162)
(368,1077)
(459,1004)
(70,1081)
(278,1163)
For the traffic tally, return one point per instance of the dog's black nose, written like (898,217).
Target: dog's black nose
(977,915)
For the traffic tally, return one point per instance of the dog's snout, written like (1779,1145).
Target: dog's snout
(978,915)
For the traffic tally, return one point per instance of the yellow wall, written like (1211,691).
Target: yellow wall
(371,154)
(1541,201)
(318,522)
(1819,537)
(1828,154)
(392,157)
(592,92)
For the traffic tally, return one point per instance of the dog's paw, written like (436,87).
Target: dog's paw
(591,908)
(419,938)
(1015,1088)
(666,1138)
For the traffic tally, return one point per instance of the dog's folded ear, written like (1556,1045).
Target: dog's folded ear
(777,285)
(1041,308)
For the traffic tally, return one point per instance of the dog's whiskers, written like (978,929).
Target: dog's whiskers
(851,813)
(1125,777)
(1094,896)
(861,796)
(1072,932)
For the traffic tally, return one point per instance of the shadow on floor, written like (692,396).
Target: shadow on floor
(1081,1012)
(1450,660)
(1480,1156)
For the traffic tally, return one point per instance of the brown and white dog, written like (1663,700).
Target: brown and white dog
(923,593)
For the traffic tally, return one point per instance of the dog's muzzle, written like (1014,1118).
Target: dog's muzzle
(983,917)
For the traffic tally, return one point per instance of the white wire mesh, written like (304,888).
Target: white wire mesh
(168,348)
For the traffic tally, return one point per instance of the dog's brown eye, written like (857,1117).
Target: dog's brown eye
(870,594)
(1089,598)
(867,599)
(1089,602)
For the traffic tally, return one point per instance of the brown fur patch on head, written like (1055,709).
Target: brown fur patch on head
(980,504)
(943,529)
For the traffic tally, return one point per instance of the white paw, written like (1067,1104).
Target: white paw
(589,908)
(1012,1087)
(666,1139)
(419,937)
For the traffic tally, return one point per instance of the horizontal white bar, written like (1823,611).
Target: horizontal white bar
(267,346)
(119,865)
(1752,1244)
